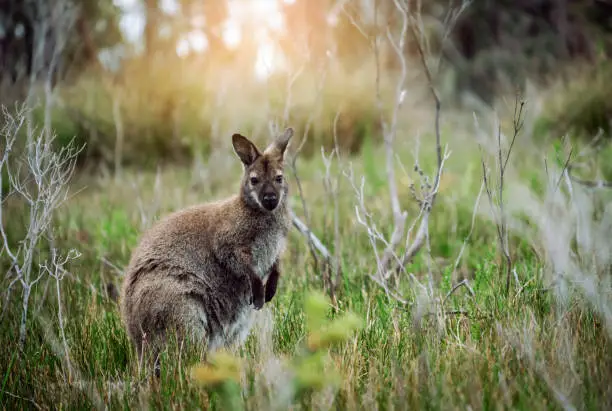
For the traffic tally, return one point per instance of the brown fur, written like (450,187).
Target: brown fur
(200,271)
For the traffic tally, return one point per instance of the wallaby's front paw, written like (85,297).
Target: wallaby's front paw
(270,292)
(258,303)
(272,282)
(257,292)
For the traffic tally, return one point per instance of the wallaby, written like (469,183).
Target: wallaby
(200,271)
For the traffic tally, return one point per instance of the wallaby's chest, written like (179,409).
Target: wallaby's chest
(266,248)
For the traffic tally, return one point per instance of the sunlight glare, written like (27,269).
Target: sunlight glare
(232,35)
(263,64)
(197,41)
(259,18)
(332,19)
(182,48)
(275,20)
(169,6)
(268,61)
(198,21)
(257,13)
(125,4)
(132,25)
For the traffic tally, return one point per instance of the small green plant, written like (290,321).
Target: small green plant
(309,367)
(222,374)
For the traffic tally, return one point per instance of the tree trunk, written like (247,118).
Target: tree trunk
(151,26)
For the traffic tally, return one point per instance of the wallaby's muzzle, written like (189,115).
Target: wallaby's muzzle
(269,200)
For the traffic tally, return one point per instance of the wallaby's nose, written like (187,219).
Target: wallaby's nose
(269,201)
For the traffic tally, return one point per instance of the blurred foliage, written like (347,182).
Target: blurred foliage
(181,115)
(311,370)
(169,108)
(387,364)
(139,104)
(57,39)
(222,374)
(497,45)
(310,366)
(222,367)
(101,109)
(581,106)
(323,333)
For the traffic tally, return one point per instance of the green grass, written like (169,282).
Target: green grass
(497,355)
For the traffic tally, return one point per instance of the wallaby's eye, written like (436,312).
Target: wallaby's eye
(279,179)
(254,180)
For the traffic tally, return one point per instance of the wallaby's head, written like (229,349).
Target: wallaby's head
(263,185)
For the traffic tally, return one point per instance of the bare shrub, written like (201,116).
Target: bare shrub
(322,258)
(522,338)
(495,188)
(390,259)
(38,178)
(570,224)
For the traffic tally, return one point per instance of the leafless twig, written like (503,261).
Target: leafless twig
(474,212)
(30,400)
(590,183)
(39,178)
(120,137)
(463,283)
(388,259)
(315,245)
(77,381)
(57,271)
(496,199)
(293,167)
(587,151)
(390,131)
(304,230)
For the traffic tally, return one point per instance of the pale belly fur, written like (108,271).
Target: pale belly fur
(265,251)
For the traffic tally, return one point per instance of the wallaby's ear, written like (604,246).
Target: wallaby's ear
(246,150)
(280,144)
(283,140)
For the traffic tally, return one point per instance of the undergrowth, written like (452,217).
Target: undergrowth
(482,350)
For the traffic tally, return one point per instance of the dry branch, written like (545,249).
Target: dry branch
(39,179)
(474,212)
(498,208)
(588,151)
(388,260)
(390,131)
(315,245)
(590,183)
(312,238)
(463,283)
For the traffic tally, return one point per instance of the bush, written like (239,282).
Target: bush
(92,107)
(582,106)
(165,117)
